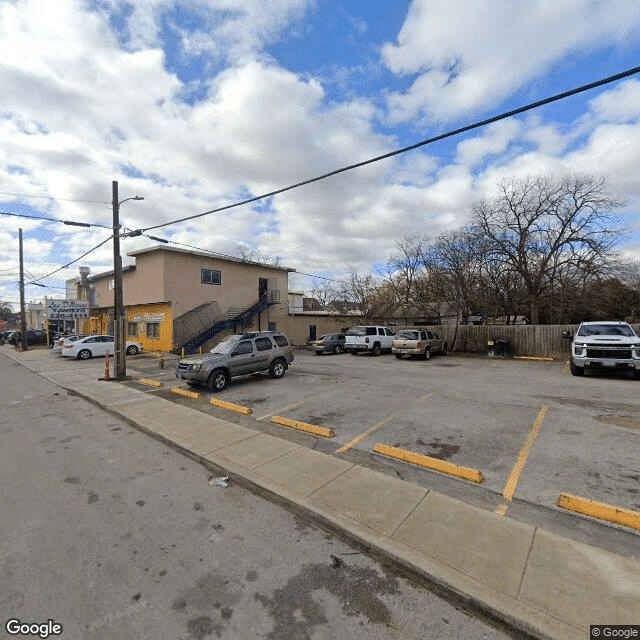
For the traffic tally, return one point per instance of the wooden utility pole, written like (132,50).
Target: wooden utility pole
(23,313)
(120,364)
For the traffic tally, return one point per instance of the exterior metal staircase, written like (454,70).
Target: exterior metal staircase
(233,317)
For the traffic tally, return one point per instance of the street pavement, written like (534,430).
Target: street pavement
(538,583)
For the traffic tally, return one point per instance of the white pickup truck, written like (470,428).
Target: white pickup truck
(372,338)
(604,344)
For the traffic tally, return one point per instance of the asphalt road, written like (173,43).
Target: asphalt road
(111,534)
(476,412)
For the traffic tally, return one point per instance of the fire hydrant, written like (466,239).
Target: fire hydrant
(106,366)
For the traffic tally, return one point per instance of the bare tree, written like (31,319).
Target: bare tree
(325,292)
(255,255)
(538,226)
(404,269)
(360,290)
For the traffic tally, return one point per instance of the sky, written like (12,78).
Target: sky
(200,104)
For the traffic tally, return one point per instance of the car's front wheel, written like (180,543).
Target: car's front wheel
(576,371)
(132,350)
(398,356)
(337,350)
(84,354)
(218,381)
(427,353)
(375,350)
(319,353)
(277,368)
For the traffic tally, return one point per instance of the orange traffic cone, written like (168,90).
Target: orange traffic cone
(106,367)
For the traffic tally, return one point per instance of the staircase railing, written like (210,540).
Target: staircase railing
(233,316)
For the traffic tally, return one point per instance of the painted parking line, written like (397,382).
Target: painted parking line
(434,464)
(379,425)
(600,510)
(514,477)
(290,407)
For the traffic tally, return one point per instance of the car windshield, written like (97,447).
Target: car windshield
(408,335)
(224,347)
(606,330)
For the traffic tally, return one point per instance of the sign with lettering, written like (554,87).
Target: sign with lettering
(67,309)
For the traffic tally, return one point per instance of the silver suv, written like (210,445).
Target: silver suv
(237,355)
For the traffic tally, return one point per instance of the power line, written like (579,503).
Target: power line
(24,195)
(224,255)
(68,222)
(390,154)
(72,261)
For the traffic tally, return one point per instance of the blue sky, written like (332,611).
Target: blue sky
(198,104)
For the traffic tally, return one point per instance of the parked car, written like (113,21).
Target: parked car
(604,344)
(4,335)
(34,336)
(418,342)
(369,338)
(60,341)
(95,345)
(329,343)
(237,355)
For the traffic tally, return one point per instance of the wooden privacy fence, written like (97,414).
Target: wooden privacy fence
(524,340)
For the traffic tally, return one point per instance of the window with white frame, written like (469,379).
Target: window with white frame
(210,276)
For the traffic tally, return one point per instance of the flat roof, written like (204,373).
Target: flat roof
(207,254)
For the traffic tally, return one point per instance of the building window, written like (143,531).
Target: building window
(210,276)
(132,329)
(153,330)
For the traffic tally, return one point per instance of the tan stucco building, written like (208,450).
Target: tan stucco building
(171,294)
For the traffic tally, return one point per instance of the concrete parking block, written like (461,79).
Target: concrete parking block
(379,501)
(254,451)
(304,470)
(581,584)
(479,543)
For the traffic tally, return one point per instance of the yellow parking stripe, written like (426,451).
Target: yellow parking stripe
(514,477)
(379,425)
(600,510)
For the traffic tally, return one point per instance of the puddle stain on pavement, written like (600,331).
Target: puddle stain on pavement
(295,612)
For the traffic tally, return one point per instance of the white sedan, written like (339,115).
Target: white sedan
(90,346)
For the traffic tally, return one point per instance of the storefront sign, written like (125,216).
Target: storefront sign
(67,309)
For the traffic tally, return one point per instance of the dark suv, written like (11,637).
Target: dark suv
(34,336)
(237,355)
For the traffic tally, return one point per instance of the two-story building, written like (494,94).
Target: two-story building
(179,299)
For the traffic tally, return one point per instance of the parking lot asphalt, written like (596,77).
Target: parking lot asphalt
(530,427)
(474,412)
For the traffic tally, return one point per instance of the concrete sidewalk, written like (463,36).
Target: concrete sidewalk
(536,582)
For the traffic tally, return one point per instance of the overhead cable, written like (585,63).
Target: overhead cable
(443,136)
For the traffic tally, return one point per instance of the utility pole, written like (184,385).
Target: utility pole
(120,364)
(120,317)
(24,341)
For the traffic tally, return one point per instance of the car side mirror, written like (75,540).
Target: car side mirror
(567,335)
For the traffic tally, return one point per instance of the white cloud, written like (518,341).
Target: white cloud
(468,56)
(80,110)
